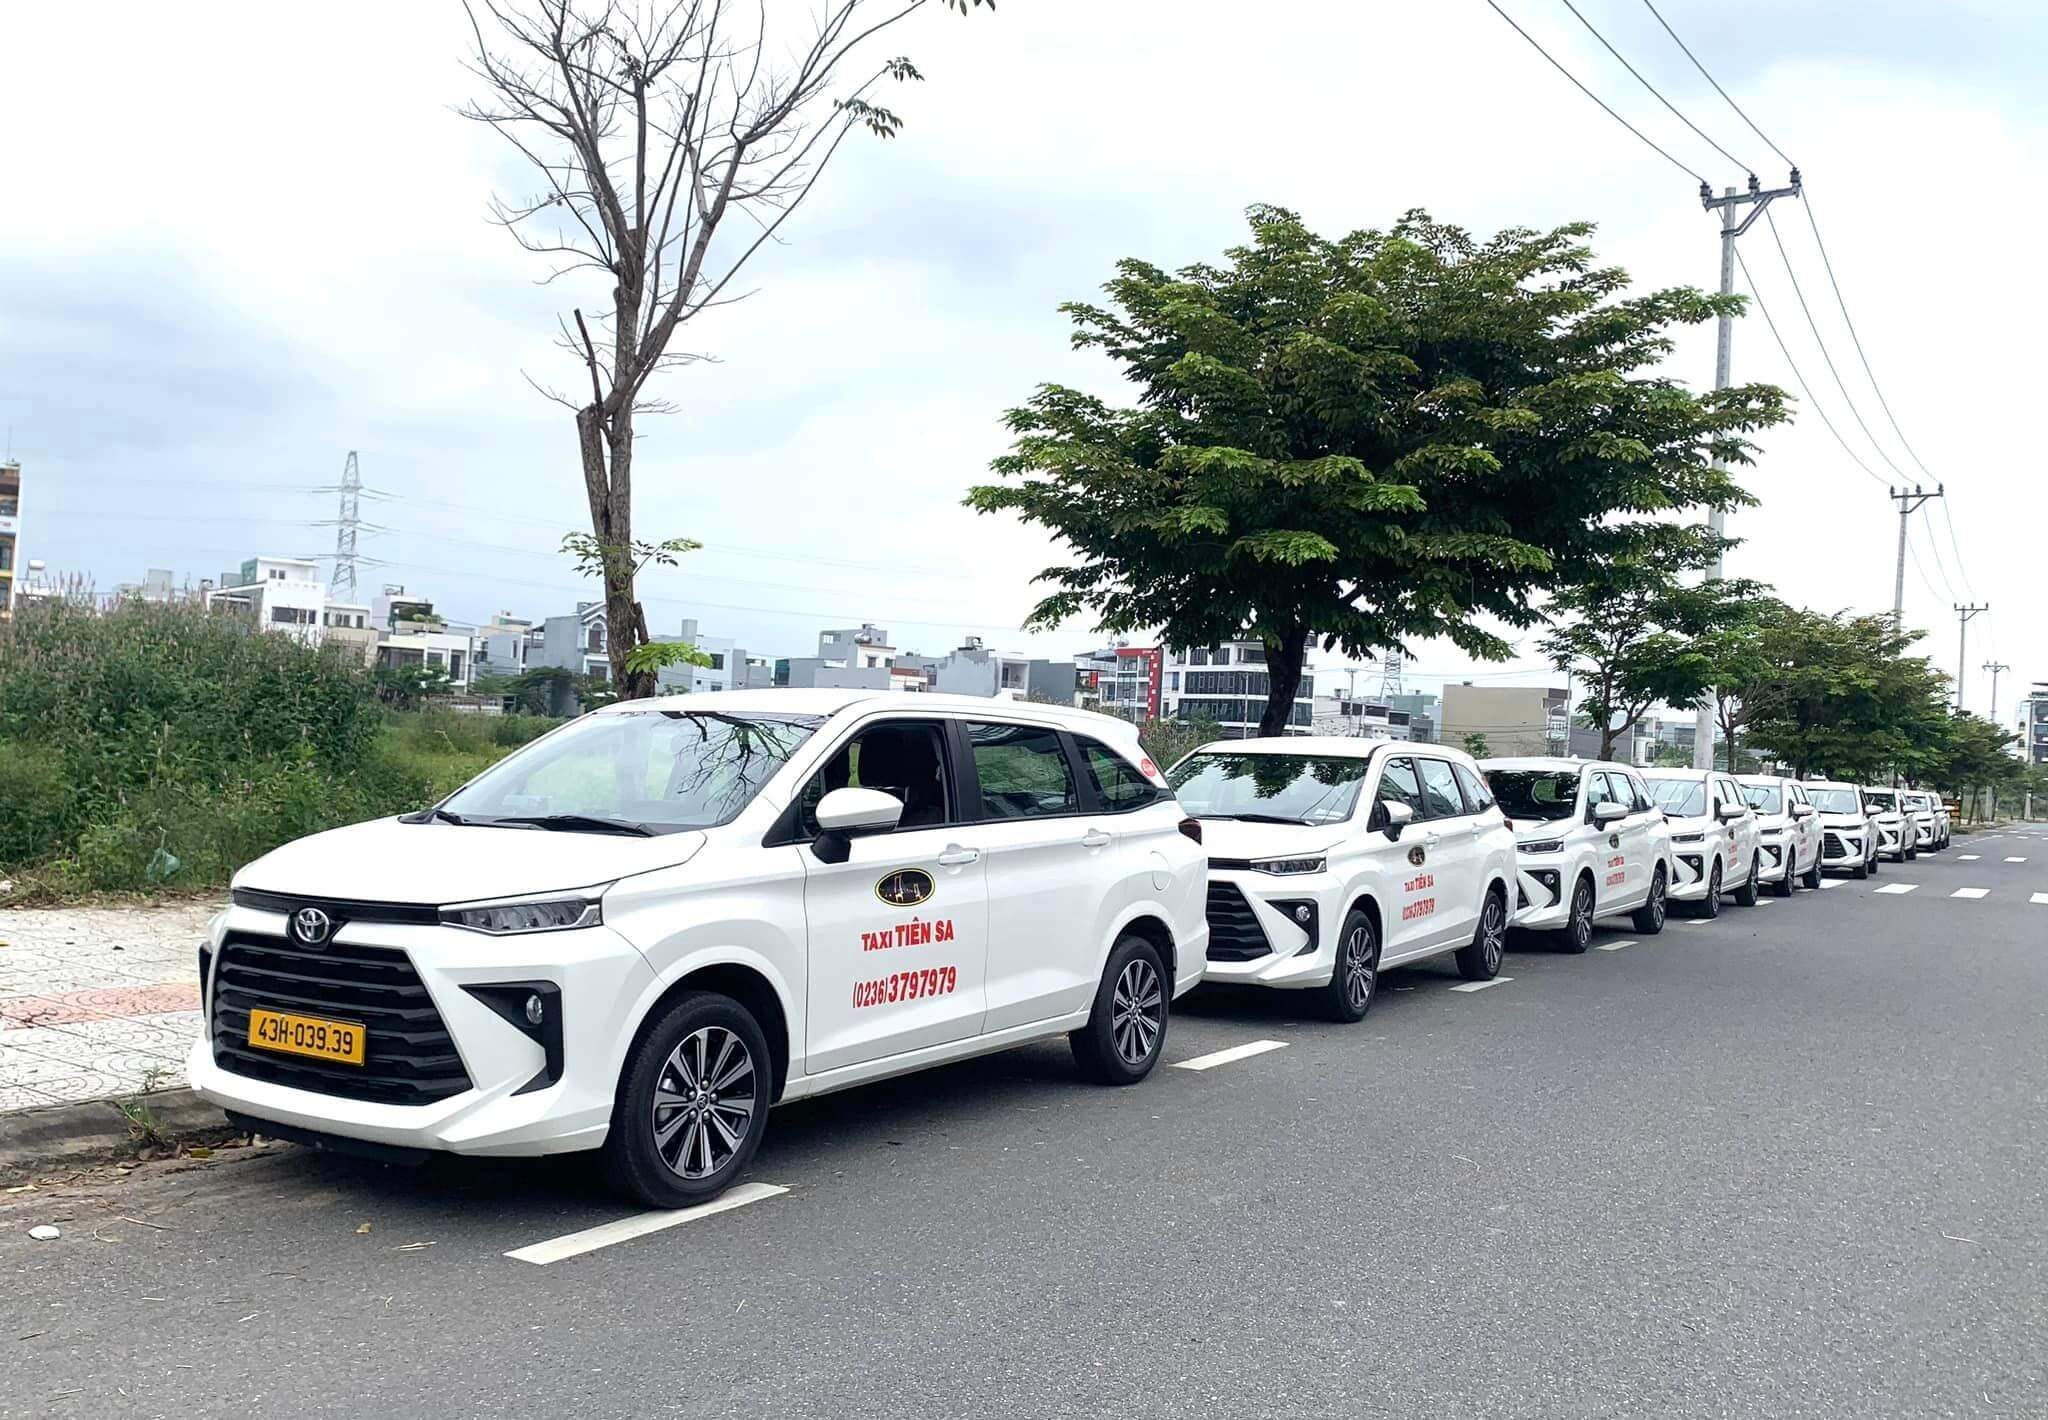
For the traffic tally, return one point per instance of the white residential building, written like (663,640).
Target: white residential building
(279,594)
(1226,684)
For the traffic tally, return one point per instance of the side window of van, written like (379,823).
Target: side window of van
(1440,789)
(1398,785)
(1477,799)
(1023,771)
(1118,784)
(906,758)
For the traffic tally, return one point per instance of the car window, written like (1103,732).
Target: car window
(1798,794)
(1681,798)
(1023,771)
(1118,784)
(1600,790)
(1640,794)
(904,758)
(1298,788)
(1765,797)
(1440,789)
(1477,800)
(1398,785)
(1546,795)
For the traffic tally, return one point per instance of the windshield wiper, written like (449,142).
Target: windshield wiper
(574,823)
(1257,818)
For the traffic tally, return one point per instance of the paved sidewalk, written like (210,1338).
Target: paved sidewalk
(96,1002)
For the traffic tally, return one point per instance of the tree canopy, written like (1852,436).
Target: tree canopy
(1367,440)
(1840,694)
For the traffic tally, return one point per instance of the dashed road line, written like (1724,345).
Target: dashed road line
(1482,985)
(1613,946)
(1968,857)
(1898,887)
(1830,883)
(2039,899)
(1225,1057)
(2015,860)
(640,1225)
(1971,893)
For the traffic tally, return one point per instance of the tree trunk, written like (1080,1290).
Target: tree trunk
(1284,658)
(606,448)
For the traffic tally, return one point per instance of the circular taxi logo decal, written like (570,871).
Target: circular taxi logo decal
(1416,855)
(906,887)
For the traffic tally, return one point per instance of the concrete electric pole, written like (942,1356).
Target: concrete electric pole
(1734,222)
(1995,667)
(1908,500)
(1964,616)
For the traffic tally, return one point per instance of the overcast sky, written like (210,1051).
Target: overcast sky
(241,240)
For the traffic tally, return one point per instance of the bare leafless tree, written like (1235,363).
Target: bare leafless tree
(653,124)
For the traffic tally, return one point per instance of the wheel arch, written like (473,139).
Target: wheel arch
(1153,929)
(744,983)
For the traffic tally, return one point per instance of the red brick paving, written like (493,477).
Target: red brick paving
(66,1007)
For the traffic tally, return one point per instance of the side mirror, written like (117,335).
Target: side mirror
(1395,816)
(1802,811)
(1732,812)
(847,814)
(1609,811)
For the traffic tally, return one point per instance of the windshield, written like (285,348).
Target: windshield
(1916,801)
(1296,788)
(1535,793)
(1681,798)
(1767,797)
(1835,801)
(641,770)
(1883,800)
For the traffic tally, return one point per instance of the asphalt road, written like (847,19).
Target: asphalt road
(1787,1163)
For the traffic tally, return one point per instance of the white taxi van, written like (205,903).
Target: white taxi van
(1589,842)
(1331,859)
(1848,833)
(645,928)
(1714,837)
(1788,828)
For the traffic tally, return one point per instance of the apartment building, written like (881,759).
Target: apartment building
(1227,685)
(282,595)
(10,532)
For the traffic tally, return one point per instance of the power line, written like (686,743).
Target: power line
(1765,311)
(1746,167)
(1647,141)
(1717,86)
(1948,521)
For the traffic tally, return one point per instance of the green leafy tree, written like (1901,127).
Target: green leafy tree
(409,687)
(1476,745)
(1170,741)
(1366,440)
(1849,700)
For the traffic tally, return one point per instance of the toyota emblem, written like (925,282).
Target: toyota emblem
(311,926)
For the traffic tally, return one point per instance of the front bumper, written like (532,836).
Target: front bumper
(1844,848)
(1891,838)
(1542,898)
(1257,937)
(508,1107)
(1692,870)
(1923,835)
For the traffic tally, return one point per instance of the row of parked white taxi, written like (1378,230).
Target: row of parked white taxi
(643,930)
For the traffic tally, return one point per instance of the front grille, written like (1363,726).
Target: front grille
(409,1057)
(1831,846)
(1234,930)
(340,909)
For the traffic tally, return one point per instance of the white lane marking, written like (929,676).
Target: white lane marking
(2015,860)
(1827,883)
(1967,857)
(1898,887)
(1224,1057)
(2039,899)
(1614,946)
(1972,893)
(640,1225)
(1482,985)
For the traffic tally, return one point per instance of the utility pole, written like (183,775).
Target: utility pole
(1734,223)
(1908,500)
(1964,616)
(1995,667)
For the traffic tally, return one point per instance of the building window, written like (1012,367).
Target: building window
(718,660)
(1251,655)
(291,616)
(1173,680)
(7,555)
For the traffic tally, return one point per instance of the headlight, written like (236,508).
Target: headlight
(1288,867)
(1689,838)
(1542,845)
(500,919)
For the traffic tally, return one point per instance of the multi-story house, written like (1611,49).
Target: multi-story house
(10,532)
(284,595)
(1227,685)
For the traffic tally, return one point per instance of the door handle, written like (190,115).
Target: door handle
(958,857)
(1094,838)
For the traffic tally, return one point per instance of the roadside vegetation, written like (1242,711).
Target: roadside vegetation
(154,748)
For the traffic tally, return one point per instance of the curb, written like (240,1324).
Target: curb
(32,1137)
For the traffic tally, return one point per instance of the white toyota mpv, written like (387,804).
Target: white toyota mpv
(1332,859)
(1789,828)
(1589,842)
(1714,837)
(643,929)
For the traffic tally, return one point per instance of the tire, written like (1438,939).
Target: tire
(1577,935)
(1127,1029)
(1875,860)
(1751,891)
(1648,920)
(683,1057)
(1907,855)
(1709,906)
(1479,960)
(1811,880)
(1355,978)
(1862,869)
(1783,886)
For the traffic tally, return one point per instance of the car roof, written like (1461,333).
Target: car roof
(1829,784)
(1340,746)
(1669,771)
(1765,779)
(828,701)
(1550,761)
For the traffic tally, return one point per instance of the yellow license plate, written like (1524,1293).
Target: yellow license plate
(307,1035)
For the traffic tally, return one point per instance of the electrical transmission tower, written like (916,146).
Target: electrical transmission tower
(1390,675)
(347,524)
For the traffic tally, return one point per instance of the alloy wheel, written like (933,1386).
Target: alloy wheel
(1493,931)
(1361,969)
(1657,903)
(1137,1011)
(704,1102)
(1582,914)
